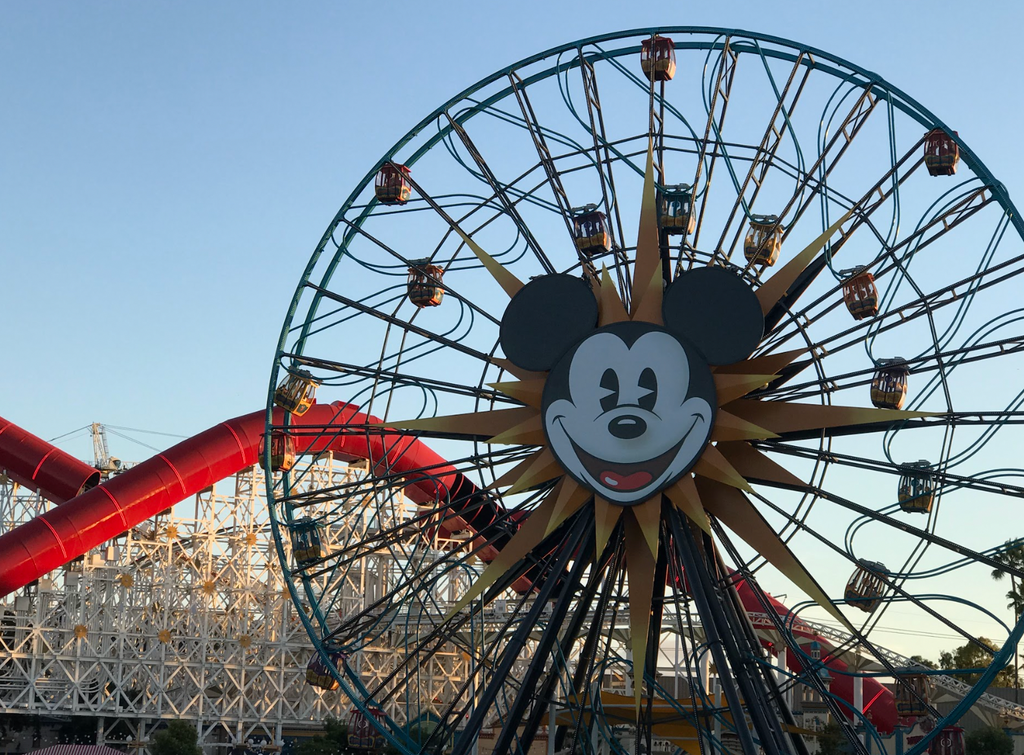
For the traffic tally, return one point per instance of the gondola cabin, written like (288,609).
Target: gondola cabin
(296,392)
(590,229)
(866,587)
(860,294)
(949,741)
(917,488)
(675,214)
(392,185)
(318,675)
(912,691)
(282,451)
(424,284)
(763,241)
(307,545)
(658,58)
(941,153)
(889,384)
(362,734)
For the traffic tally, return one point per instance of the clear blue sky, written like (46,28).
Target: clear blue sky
(168,167)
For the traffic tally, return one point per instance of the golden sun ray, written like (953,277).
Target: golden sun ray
(517,371)
(754,465)
(532,532)
(647,282)
(769,364)
(509,477)
(529,392)
(775,287)
(733,509)
(730,427)
(571,495)
(544,467)
(783,417)
(508,282)
(714,466)
(609,302)
(606,516)
(648,516)
(684,497)
(640,568)
(472,426)
(529,432)
(730,387)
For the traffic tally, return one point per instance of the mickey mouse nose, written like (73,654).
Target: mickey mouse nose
(627,427)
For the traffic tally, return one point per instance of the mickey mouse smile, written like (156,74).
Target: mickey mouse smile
(628,477)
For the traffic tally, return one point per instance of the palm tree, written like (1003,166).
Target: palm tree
(1012,556)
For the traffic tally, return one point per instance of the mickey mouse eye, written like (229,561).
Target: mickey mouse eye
(610,383)
(648,382)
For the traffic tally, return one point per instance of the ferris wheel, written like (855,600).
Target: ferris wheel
(618,339)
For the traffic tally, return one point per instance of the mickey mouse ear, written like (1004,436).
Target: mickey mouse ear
(545,319)
(715,311)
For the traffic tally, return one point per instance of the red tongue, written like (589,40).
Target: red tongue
(633,481)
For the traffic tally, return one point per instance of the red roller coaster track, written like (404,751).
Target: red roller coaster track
(84,520)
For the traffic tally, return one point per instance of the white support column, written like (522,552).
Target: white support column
(858,701)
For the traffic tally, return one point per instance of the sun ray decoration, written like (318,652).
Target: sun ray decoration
(718,481)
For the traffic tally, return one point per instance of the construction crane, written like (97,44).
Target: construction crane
(103,461)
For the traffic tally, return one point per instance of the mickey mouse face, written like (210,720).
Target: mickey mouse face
(628,408)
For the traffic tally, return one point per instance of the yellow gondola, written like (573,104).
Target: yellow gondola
(296,392)
(917,488)
(590,229)
(889,385)
(763,241)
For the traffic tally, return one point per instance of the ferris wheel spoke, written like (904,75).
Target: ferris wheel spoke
(377,373)
(943,479)
(766,152)
(498,189)
(847,131)
(943,361)
(400,323)
(576,537)
(602,152)
(893,586)
(925,302)
(726,72)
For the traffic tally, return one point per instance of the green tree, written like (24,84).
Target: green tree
(1013,557)
(970,655)
(179,738)
(832,741)
(989,741)
(334,741)
(922,661)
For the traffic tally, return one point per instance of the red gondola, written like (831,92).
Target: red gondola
(889,385)
(282,451)
(941,153)
(658,58)
(424,284)
(949,741)
(362,734)
(591,230)
(860,294)
(763,241)
(391,186)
